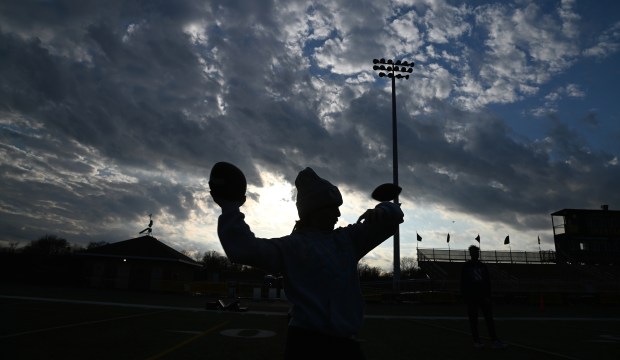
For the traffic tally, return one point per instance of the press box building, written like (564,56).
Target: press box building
(589,237)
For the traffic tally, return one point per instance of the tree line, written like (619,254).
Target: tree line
(52,246)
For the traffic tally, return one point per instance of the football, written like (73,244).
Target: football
(386,192)
(227,181)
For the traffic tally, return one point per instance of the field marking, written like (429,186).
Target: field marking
(507,342)
(256,333)
(77,324)
(185,342)
(510,318)
(280,313)
(90,302)
(141,306)
(413,318)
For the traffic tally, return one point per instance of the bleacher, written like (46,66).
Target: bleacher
(521,274)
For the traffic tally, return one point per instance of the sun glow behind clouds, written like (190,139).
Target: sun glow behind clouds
(273,213)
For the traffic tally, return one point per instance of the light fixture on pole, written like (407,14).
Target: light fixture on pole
(394,69)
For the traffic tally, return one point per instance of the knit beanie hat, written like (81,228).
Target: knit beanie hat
(314,193)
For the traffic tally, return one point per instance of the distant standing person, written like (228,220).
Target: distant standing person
(476,291)
(318,264)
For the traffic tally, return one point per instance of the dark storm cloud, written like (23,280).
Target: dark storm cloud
(137,99)
(489,172)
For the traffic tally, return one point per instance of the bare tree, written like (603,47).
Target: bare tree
(214,261)
(408,267)
(368,272)
(96,244)
(12,248)
(48,245)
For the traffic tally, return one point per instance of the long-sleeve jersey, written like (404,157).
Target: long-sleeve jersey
(319,267)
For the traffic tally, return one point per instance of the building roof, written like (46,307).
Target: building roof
(144,248)
(565,212)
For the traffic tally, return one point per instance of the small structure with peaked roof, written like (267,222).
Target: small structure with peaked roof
(142,263)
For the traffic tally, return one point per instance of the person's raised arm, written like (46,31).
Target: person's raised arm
(239,242)
(378,224)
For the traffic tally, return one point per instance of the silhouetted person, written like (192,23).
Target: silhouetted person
(318,264)
(476,291)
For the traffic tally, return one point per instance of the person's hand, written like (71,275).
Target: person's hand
(364,216)
(382,213)
(226,203)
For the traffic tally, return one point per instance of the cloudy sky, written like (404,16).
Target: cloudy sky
(114,110)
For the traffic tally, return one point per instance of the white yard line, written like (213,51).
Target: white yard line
(280,313)
(510,318)
(90,302)
(142,306)
(76,325)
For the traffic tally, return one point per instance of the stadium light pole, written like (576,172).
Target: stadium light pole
(394,69)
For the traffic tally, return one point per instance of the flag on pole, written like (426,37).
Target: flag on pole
(507,240)
(419,237)
(448,237)
(478,238)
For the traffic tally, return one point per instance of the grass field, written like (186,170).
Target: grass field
(84,324)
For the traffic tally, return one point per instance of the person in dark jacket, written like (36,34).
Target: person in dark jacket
(476,291)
